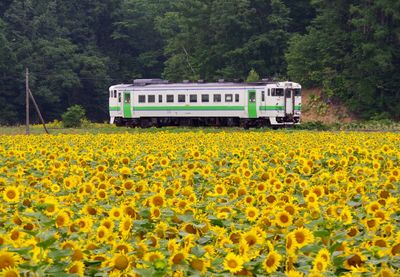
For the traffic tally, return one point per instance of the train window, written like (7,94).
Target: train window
(151,98)
(252,96)
(228,97)
(297,92)
(263,96)
(193,98)
(127,98)
(142,98)
(288,93)
(277,92)
(269,92)
(160,98)
(236,97)
(205,98)
(181,98)
(115,94)
(119,97)
(217,97)
(170,98)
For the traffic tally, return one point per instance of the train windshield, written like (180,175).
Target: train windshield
(297,92)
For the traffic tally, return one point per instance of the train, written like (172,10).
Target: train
(157,103)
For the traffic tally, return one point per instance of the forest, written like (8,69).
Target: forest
(76,49)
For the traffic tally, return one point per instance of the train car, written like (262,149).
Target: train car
(156,102)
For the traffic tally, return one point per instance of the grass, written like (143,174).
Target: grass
(104,128)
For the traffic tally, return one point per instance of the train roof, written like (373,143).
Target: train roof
(159,83)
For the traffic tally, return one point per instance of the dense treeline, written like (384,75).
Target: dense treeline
(76,49)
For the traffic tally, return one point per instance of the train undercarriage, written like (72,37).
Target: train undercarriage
(147,122)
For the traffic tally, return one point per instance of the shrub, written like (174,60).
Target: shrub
(73,117)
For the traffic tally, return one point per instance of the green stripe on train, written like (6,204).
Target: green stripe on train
(203,108)
(189,108)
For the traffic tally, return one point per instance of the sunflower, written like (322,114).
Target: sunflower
(157,201)
(122,247)
(319,264)
(271,262)
(10,272)
(153,256)
(200,264)
(102,234)
(294,273)
(251,213)
(125,225)
(62,219)
(233,263)
(8,259)
(164,162)
(302,237)
(355,260)
(178,257)
(78,268)
(11,194)
(251,238)
(283,219)
(120,261)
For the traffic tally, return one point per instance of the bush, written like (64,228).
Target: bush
(73,117)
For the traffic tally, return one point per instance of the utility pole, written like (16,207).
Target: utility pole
(30,95)
(27,99)
(38,111)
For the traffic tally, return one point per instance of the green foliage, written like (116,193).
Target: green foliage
(351,52)
(76,49)
(73,117)
(253,76)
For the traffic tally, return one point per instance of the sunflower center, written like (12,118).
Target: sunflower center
(320,266)
(355,260)
(178,258)
(284,218)
(232,264)
(270,261)
(197,264)
(6,260)
(121,262)
(300,237)
(11,194)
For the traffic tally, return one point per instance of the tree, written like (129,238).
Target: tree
(352,52)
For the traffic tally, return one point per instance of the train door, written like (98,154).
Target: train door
(289,102)
(127,105)
(251,104)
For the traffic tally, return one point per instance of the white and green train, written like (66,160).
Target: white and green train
(155,102)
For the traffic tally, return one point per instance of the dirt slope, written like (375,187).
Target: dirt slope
(314,108)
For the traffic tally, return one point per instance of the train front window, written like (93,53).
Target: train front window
(297,92)
(288,93)
(277,92)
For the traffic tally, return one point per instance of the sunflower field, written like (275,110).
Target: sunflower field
(200,204)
